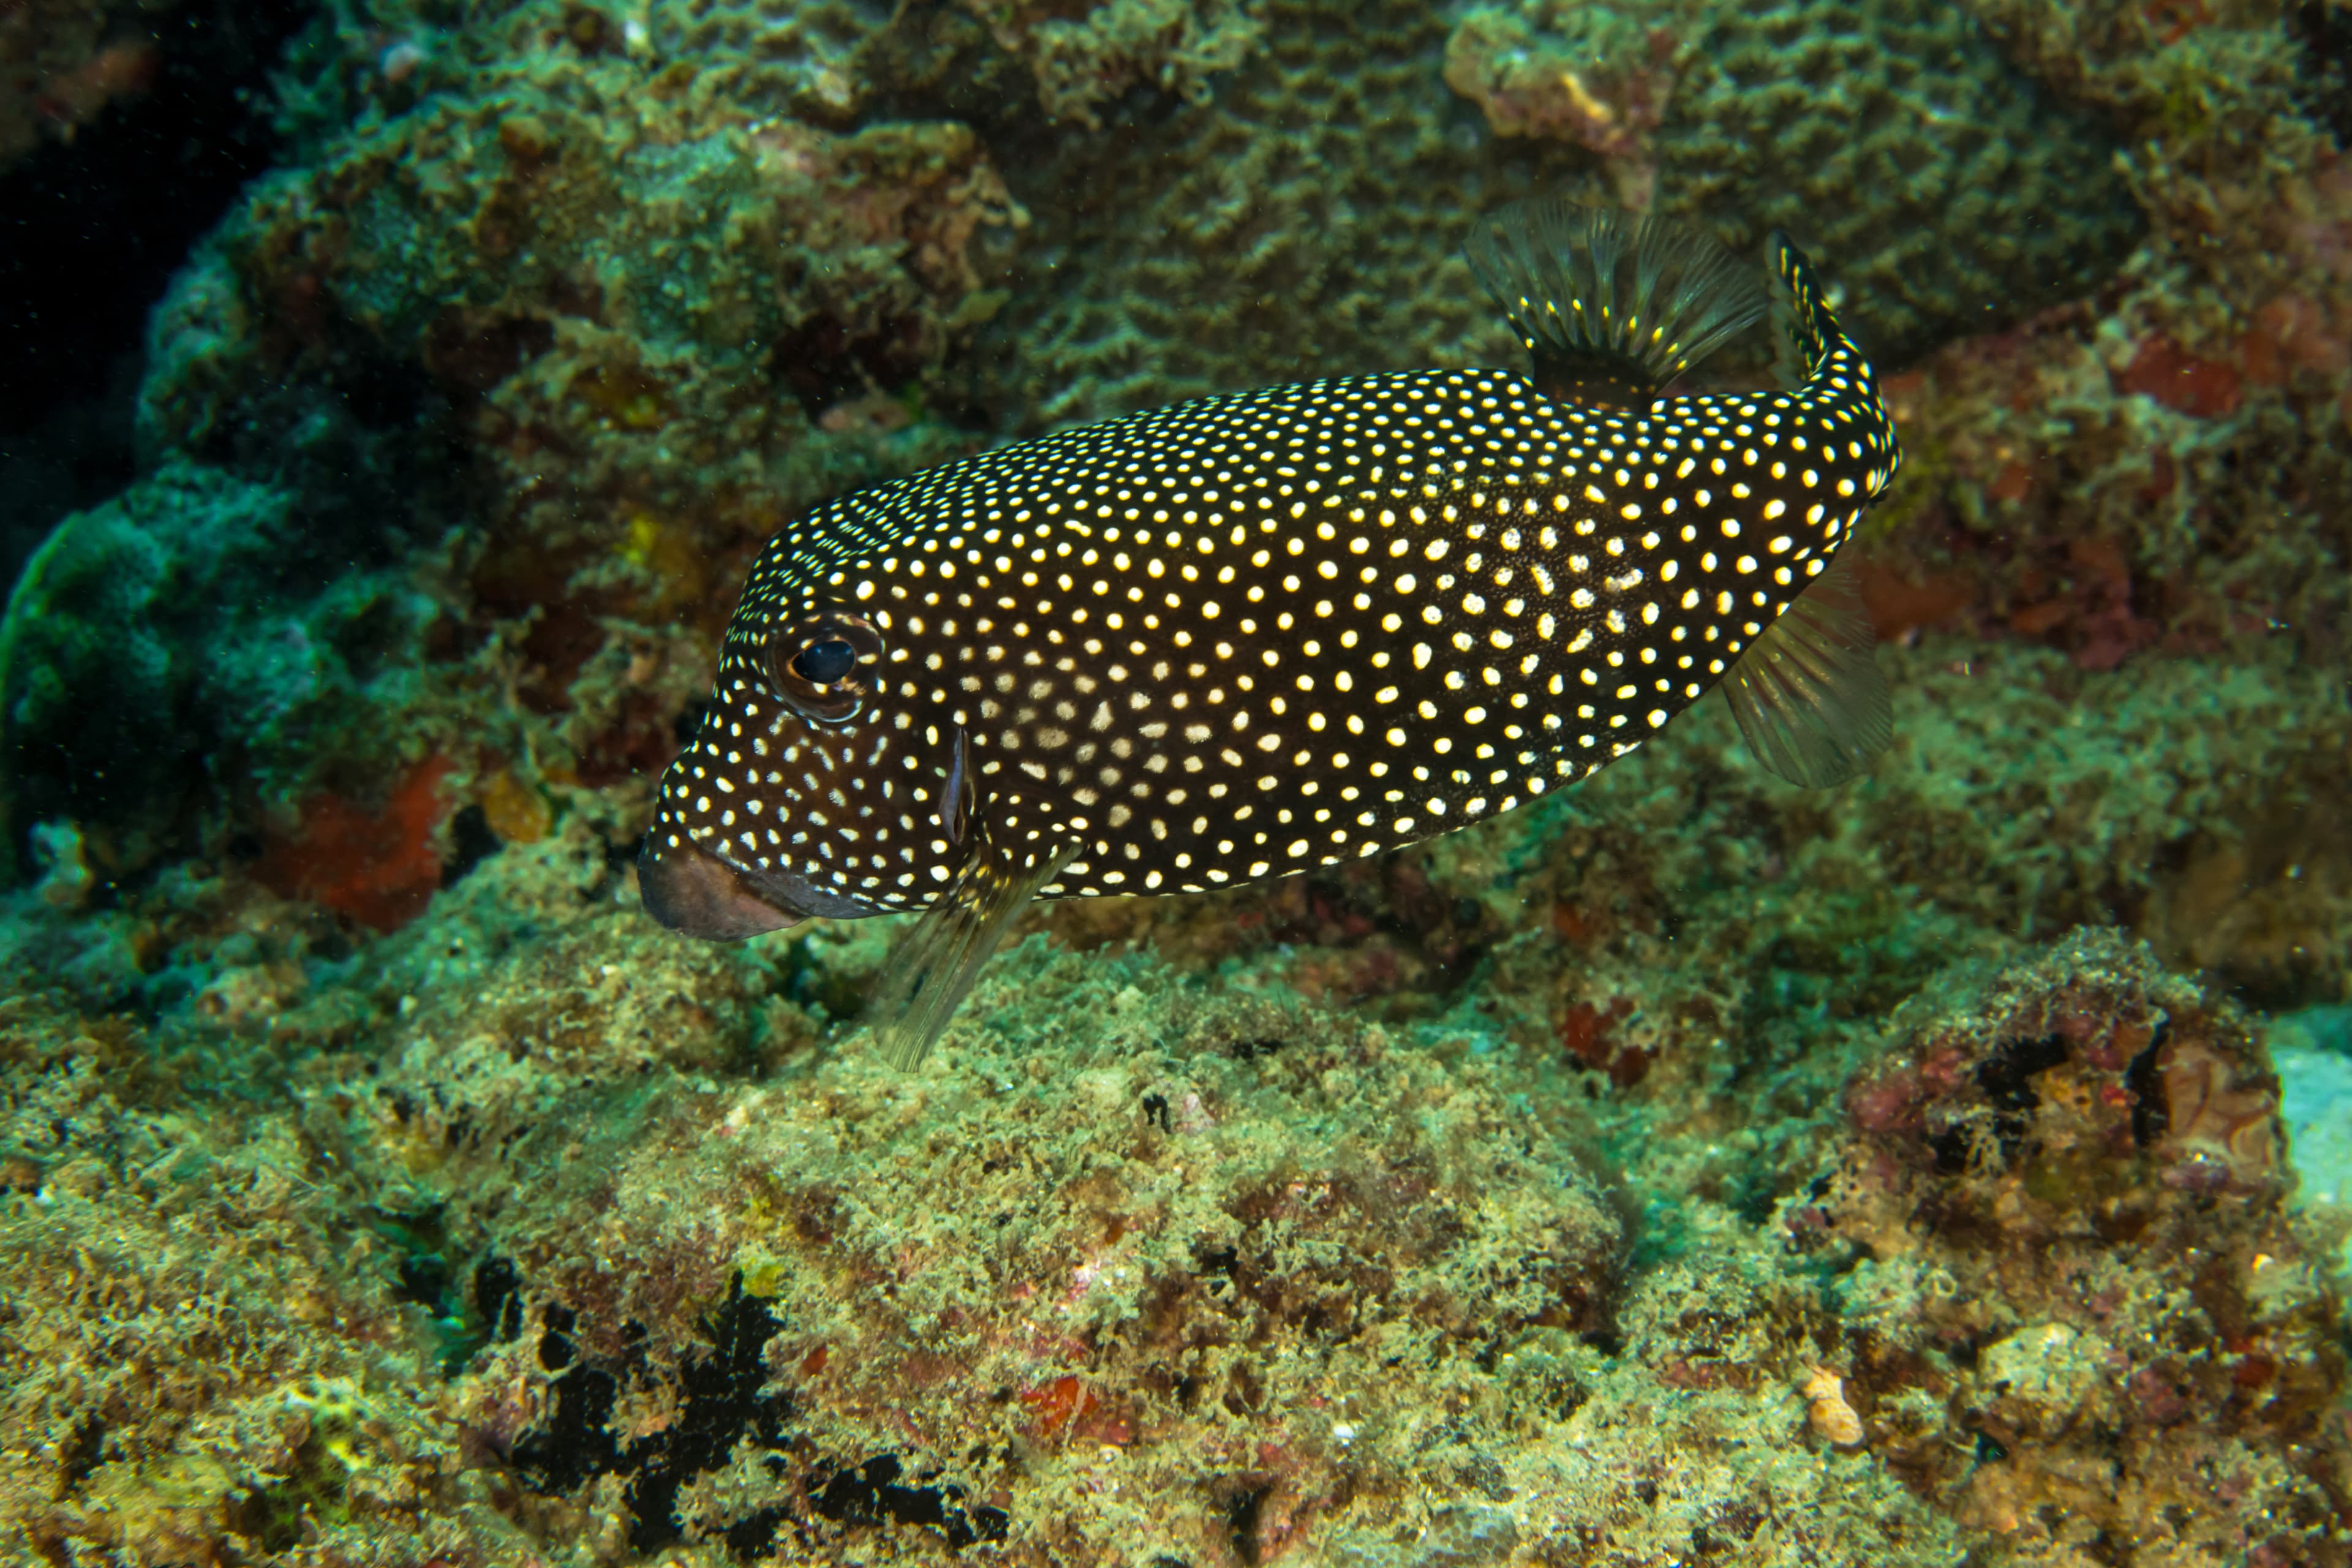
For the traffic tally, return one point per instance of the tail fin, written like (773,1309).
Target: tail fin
(1802,327)
(1612,306)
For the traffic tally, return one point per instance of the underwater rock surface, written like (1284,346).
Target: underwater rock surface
(1147,1256)
(1688,1170)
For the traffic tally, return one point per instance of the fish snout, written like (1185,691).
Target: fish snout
(692,891)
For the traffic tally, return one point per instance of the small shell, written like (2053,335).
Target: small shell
(1832,1416)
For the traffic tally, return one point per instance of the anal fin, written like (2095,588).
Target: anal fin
(935,964)
(1808,693)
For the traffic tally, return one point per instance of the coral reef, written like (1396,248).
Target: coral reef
(1590,75)
(1175,274)
(439,318)
(1686,1170)
(1890,138)
(62,63)
(1150,1257)
(2093,1134)
(1918,181)
(1080,63)
(619,377)
(1304,222)
(2162,468)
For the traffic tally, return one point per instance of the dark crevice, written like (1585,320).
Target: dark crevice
(471,841)
(937,61)
(1242,1518)
(872,1493)
(2326,33)
(2150,1115)
(82,1452)
(90,231)
(498,1298)
(2007,1079)
(828,361)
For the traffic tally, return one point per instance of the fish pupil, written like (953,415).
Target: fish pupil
(821,663)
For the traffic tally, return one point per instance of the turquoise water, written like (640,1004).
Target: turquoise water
(1946,1165)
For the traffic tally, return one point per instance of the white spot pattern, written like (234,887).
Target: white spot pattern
(1163,634)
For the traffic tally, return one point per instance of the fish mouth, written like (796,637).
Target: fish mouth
(693,891)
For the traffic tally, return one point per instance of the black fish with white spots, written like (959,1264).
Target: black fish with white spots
(1251,635)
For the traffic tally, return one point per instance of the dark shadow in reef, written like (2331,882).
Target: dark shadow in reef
(720,1406)
(91,230)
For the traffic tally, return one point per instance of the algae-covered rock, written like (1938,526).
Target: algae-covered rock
(202,1364)
(2084,1154)
(614,294)
(1243,1243)
(195,626)
(1174,1257)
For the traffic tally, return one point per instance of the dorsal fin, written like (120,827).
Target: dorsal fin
(1611,306)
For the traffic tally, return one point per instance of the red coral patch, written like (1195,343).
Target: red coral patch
(379,868)
(2201,388)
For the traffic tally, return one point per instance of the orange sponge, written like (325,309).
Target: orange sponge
(378,869)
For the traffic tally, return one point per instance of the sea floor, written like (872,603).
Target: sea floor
(1653,1180)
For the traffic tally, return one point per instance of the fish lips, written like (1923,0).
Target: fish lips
(690,890)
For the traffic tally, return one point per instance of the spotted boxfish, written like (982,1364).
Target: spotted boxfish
(1252,635)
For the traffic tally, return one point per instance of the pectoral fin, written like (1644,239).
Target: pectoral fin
(1808,693)
(935,964)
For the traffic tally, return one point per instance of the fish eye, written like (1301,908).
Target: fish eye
(826,662)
